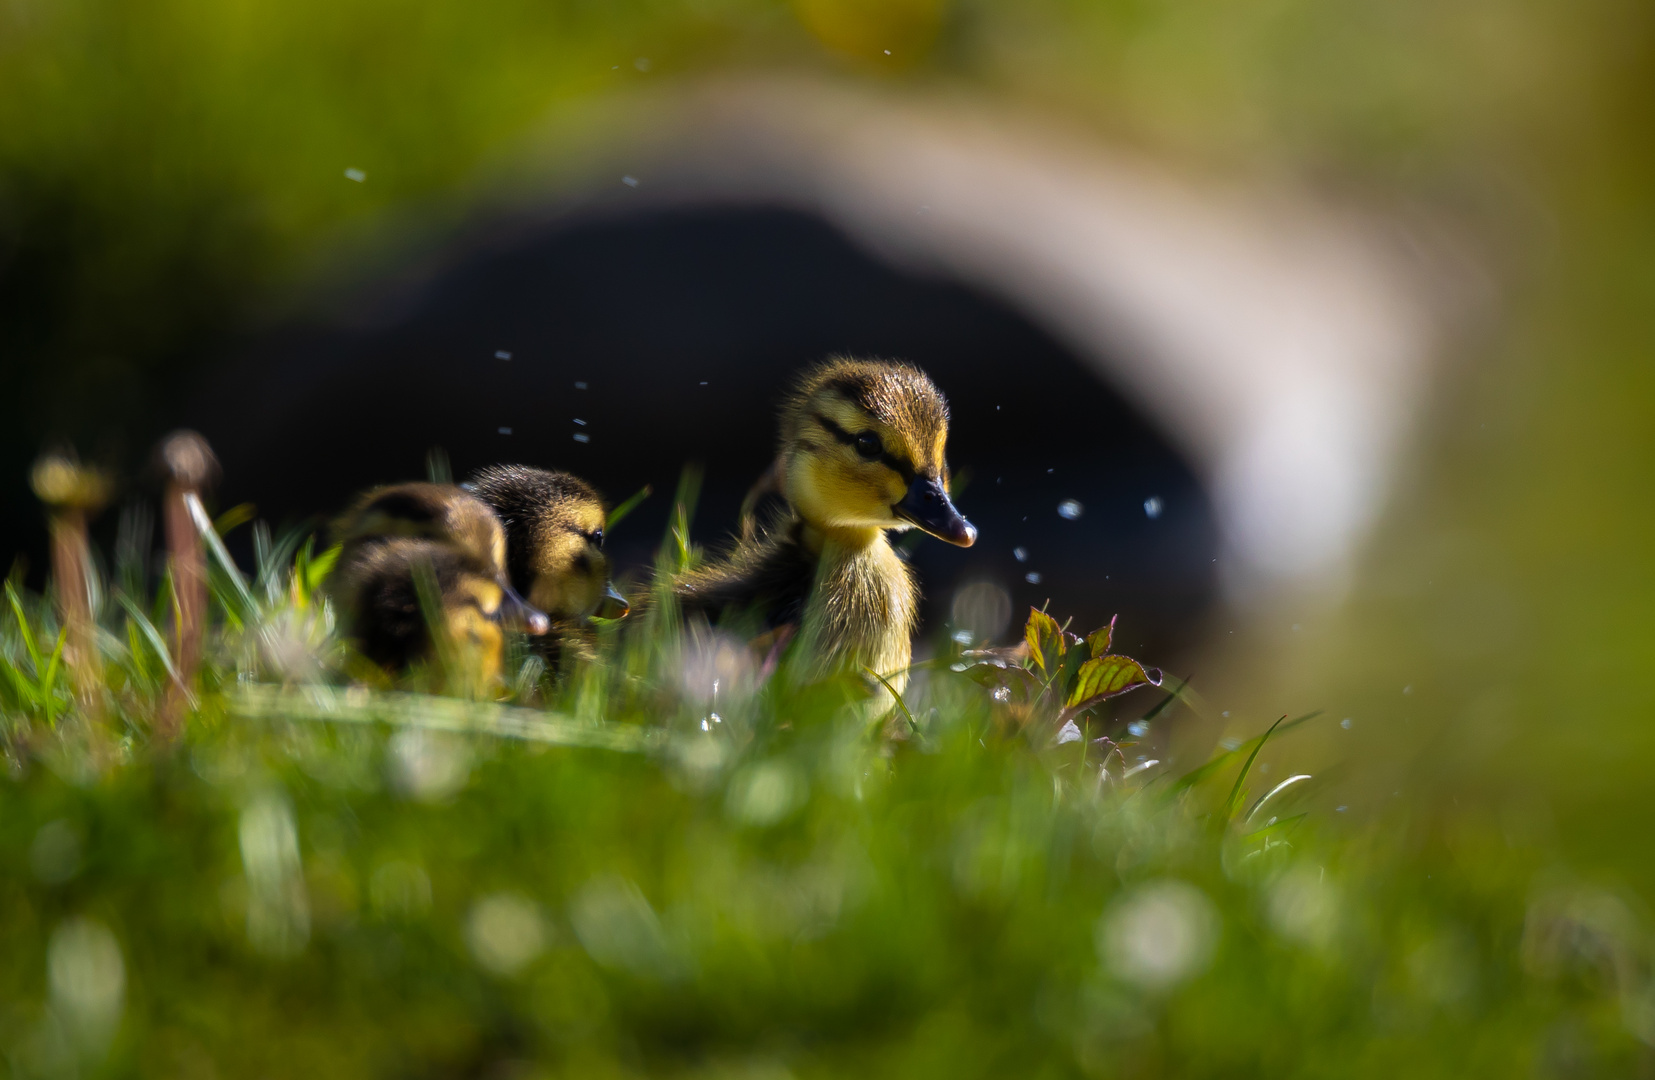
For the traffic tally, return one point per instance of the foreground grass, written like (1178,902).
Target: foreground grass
(634,871)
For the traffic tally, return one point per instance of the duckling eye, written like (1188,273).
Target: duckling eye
(596,536)
(869,446)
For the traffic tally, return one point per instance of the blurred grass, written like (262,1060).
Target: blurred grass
(627,872)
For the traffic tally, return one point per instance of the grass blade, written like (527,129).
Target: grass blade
(151,635)
(617,515)
(221,554)
(1273,792)
(23,627)
(1247,766)
(886,683)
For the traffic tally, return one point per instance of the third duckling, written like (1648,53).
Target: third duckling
(394,535)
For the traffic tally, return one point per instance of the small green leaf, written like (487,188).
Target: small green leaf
(320,566)
(1107,676)
(234,517)
(1102,638)
(1045,640)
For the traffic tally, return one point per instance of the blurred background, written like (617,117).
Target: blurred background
(1315,340)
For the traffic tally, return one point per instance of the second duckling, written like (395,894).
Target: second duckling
(554,526)
(395,536)
(862,452)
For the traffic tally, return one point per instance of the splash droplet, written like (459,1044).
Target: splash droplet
(1070,509)
(1153,507)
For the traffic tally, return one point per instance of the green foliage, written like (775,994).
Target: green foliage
(631,871)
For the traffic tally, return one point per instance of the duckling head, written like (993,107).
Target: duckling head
(863,449)
(460,523)
(554,528)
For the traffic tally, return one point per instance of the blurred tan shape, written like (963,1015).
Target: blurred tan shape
(188,464)
(72,493)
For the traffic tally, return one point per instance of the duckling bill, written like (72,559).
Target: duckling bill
(393,537)
(863,453)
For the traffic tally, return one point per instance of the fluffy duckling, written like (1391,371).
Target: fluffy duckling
(394,535)
(554,546)
(862,453)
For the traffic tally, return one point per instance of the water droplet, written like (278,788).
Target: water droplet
(580,386)
(962,636)
(1070,510)
(1138,728)
(1345,723)
(505,431)
(355,174)
(887,52)
(1032,577)
(1002,694)
(582,437)
(1153,507)
(579,421)
(1021,554)
(502,354)
(703,382)
(630,181)
(642,63)
(706,726)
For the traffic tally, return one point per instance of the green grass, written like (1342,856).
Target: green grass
(594,877)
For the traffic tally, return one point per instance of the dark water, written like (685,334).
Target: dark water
(686,327)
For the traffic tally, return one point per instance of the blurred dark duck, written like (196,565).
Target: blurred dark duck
(395,535)
(554,547)
(862,452)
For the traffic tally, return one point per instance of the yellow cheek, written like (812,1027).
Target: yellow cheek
(478,644)
(485,594)
(835,491)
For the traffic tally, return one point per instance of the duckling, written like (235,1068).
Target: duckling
(394,535)
(862,454)
(554,548)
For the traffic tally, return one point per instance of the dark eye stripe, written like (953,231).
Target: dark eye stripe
(891,461)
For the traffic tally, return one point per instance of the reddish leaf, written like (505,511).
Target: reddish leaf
(1105,677)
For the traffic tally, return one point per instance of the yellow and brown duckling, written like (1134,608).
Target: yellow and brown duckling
(862,453)
(395,536)
(554,547)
